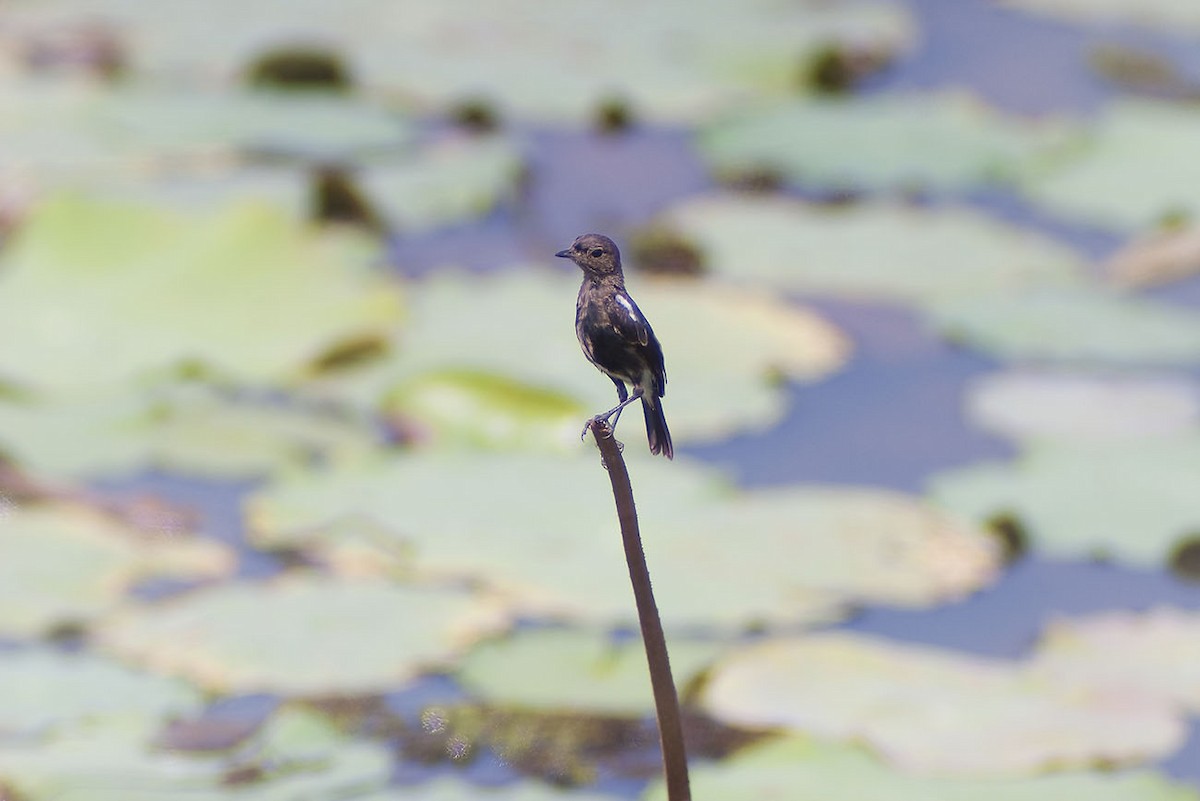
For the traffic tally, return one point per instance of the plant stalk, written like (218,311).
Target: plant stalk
(666,700)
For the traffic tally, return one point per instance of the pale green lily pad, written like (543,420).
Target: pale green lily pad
(868,251)
(1170,15)
(1085,327)
(541,527)
(671,66)
(92,294)
(1158,257)
(453,789)
(938,141)
(66,564)
(1083,407)
(932,712)
(1131,173)
(556,669)
(483,410)
(453,327)
(42,690)
(1130,502)
(191,430)
(1154,653)
(301,757)
(448,181)
(300,634)
(801,769)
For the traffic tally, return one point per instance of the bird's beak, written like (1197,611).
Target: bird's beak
(564,254)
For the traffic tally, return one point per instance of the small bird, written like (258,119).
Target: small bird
(617,338)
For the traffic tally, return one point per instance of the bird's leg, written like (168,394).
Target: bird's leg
(616,410)
(622,398)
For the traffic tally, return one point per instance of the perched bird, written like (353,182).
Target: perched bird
(616,336)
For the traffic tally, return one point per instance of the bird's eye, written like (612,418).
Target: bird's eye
(597,253)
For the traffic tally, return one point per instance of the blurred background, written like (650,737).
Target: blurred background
(293,504)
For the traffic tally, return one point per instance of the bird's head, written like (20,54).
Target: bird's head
(595,254)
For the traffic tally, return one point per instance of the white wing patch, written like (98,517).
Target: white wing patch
(624,301)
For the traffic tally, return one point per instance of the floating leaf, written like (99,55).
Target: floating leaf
(66,564)
(1084,407)
(300,634)
(453,789)
(1170,15)
(95,293)
(671,66)
(295,756)
(1151,653)
(556,669)
(935,712)
(1158,257)
(453,327)
(1130,502)
(541,528)
(797,769)
(943,141)
(868,251)
(1083,326)
(184,429)
(45,690)
(1133,172)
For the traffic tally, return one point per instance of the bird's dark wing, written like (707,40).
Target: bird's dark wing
(628,321)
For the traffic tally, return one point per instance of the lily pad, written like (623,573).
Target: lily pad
(452,789)
(556,669)
(94,293)
(46,690)
(191,430)
(1082,327)
(671,66)
(453,327)
(1155,653)
(798,769)
(300,634)
(1083,407)
(295,756)
(868,251)
(66,564)
(935,712)
(1131,173)
(934,141)
(541,528)
(1130,502)
(1170,15)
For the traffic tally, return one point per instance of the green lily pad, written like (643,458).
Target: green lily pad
(671,66)
(941,141)
(1171,15)
(1130,502)
(1083,407)
(932,712)
(453,328)
(541,528)
(556,669)
(294,756)
(1085,327)
(871,251)
(45,690)
(93,293)
(1139,653)
(1158,257)
(452,789)
(799,769)
(1131,173)
(300,634)
(189,430)
(66,564)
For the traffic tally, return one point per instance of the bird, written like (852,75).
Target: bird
(617,338)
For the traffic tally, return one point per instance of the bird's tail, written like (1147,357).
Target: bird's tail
(656,428)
